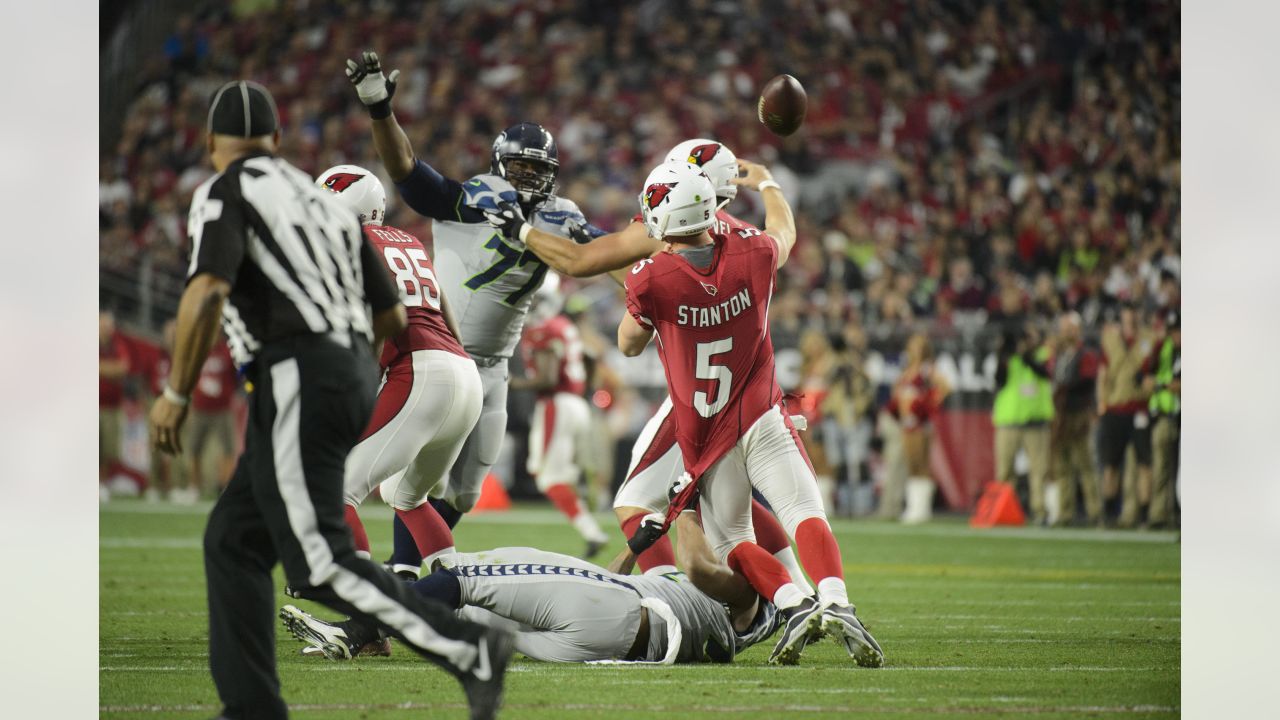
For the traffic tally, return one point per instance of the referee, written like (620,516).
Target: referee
(290,274)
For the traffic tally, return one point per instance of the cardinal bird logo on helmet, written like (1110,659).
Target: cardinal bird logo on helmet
(702,154)
(338,182)
(656,193)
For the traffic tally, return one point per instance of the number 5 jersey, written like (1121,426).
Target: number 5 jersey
(709,308)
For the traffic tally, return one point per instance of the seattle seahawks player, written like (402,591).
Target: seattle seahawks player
(488,279)
(563,609)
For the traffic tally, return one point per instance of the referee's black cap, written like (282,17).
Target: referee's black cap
(243,108)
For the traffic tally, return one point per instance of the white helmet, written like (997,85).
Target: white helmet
(715,159)
(359,189)
(678,199)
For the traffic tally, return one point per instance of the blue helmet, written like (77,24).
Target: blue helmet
(535,179)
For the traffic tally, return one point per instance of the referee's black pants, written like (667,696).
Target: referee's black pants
(311,398)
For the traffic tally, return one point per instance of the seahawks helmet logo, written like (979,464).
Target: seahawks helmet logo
(702,154)
(338,182)
(656,193)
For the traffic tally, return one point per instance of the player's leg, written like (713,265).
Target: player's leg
(771,536)
(776,466)
(726,516)
(387,445)
(483,445)
(573,611)
(557,424)
(456,397)
(321,403)
(655,464)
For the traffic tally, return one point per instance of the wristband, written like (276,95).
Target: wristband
(524,232)
(172,396)
(380,110)
(769,184)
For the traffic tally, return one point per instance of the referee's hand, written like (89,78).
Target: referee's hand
(166,420)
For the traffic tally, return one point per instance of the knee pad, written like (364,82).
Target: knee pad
(464,502)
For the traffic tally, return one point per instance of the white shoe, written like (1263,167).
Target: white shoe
(184,496)
(152,495)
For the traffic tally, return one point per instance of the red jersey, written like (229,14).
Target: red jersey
(111,392)
(412,272)
(560,337)
(214,388)
(713,337)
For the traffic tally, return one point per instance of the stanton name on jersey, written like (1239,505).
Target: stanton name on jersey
(714,314)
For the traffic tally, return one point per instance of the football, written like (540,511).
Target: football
(782,105)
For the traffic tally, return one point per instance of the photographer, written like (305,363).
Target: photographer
(1023,410)
(1075,374)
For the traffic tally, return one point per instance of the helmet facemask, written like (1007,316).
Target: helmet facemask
(533,178)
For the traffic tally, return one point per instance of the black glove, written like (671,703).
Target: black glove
(508,220)
(374,89)
(578,233)
(652,527)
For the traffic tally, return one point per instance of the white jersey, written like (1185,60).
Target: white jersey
(490,280)
(706,631)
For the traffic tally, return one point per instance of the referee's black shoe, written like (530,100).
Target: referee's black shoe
(483,682)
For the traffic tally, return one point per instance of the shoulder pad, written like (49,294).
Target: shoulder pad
(483,192)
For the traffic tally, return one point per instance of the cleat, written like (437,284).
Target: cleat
(593,548)
(329,639)
(482,682)
(803,625)
(842,624)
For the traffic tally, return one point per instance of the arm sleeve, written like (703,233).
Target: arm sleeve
(217,227)
(436,196)
(378,290)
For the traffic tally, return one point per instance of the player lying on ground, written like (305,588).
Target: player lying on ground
(655,459)
(706,297)
(563,609)
(489,281)
(430,397)
(560,430)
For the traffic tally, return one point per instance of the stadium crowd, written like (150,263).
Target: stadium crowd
(1000,178)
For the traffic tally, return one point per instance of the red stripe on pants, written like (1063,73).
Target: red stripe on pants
(392,397)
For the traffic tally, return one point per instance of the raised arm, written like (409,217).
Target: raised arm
(779,223)
(423,188)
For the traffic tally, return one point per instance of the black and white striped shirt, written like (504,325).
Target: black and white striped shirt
(295,258)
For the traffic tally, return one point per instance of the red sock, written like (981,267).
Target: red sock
(660,553)
(430,532)
(769,532)
(564,498)
(761,569)
(819,553)
(357,528)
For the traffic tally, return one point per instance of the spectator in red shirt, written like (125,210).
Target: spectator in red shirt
(113,365)
(212,444)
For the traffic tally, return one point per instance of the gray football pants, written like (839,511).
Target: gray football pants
(561,609)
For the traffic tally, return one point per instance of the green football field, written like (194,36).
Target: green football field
(1009,623)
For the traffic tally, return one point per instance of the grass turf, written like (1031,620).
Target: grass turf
(1007,623)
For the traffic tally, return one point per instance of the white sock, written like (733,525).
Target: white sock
(660,570)
(832,591)
(430,559)
(364,555)
(788,560)
(586,525)
(788,596)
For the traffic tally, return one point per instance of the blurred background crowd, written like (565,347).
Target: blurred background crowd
(987,282)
